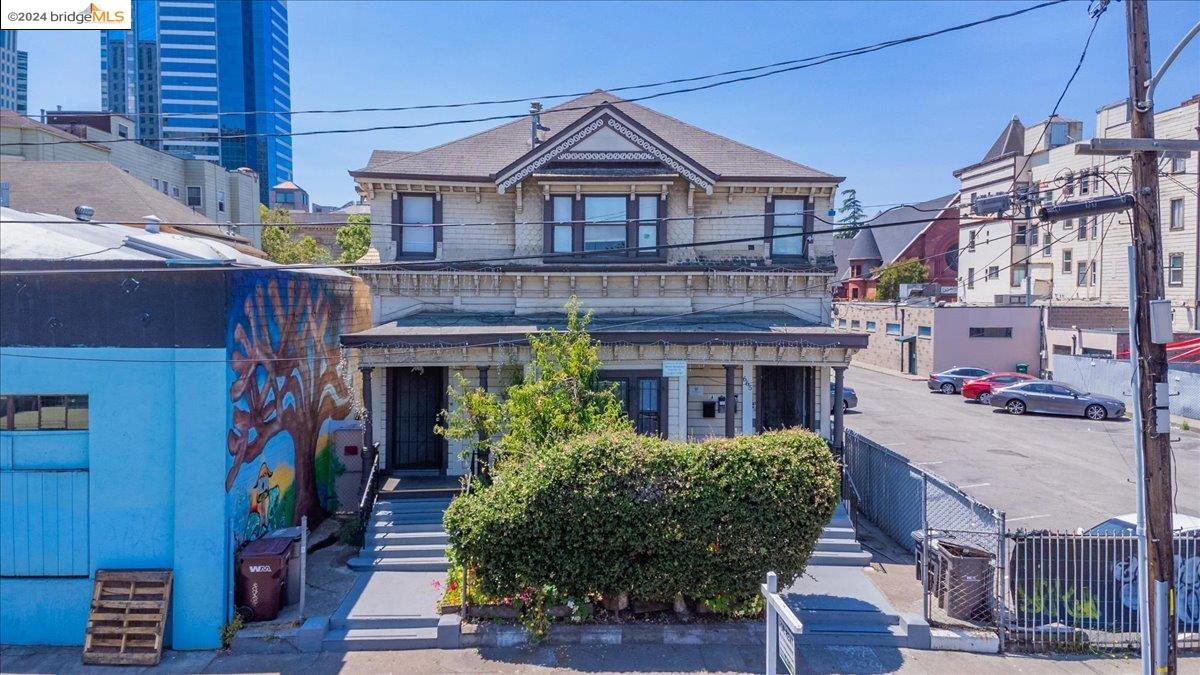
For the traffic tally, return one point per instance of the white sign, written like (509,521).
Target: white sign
(787,647)
(674,369)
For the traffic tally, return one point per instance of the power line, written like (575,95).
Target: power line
(808,62)
(572,256)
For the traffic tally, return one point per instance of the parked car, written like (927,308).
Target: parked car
(951,381)
(981,390)
(849,398)
(1127,524)
(1055,398)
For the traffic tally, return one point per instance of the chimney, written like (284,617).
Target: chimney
(151,223)
(535,123)
(84,213)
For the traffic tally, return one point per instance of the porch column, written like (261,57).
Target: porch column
(677,401)
(839,385)
(483,459)
(368,451)
(748,400)
(730,402)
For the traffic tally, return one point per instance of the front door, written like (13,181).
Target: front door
(416,398)
(912,357)
(786,396)
(643,398)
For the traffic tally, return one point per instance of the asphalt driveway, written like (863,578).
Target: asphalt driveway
(1043,471)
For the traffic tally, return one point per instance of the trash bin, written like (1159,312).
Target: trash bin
(1023,368)
(293,572)
(968,581)
(262,576)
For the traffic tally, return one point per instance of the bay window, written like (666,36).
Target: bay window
(416,209)
(787,221)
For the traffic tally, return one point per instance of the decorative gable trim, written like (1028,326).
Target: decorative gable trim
(652,148)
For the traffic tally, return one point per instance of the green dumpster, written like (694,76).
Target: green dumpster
(1022,367)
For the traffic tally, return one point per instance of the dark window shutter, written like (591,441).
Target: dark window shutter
(397,217)
(437,218)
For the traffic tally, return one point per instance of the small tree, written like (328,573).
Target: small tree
(560,397)
(889,277)
(280,247)
(852,214)
(355,237)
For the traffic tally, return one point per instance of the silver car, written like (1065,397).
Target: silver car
(951,381)
(849,398)
(1056,398)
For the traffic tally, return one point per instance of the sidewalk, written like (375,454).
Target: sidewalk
(582,658)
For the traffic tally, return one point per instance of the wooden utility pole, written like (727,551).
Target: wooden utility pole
(1152,358)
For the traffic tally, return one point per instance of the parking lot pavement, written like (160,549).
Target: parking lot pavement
(1043,471)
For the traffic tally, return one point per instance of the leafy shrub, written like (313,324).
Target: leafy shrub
(619,512)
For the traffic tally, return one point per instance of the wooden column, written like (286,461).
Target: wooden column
(730,403)
(839,394)
(368,451)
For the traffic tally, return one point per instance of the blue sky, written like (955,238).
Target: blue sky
(895,123)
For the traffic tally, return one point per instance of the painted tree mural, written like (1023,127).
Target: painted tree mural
(284,357)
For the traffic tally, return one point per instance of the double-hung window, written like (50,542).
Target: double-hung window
(1176,214)
(787,222)
(414,216)
(1175,269)
(195,196)
(604,227)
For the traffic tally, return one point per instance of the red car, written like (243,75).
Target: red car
(981,390)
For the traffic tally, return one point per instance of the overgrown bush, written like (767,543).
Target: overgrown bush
(619,512)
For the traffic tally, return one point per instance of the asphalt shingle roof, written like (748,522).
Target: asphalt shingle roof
(482,155)
(886,243)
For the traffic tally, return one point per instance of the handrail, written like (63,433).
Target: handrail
(366,502)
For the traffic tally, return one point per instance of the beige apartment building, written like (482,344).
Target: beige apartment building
(1080,259)
(615,204)
(206,188)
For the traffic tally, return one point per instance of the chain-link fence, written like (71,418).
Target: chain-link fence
(956,541)
(1112,378)
(1067,591)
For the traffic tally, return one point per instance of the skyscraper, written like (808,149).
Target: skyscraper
(14,74)
(206,79)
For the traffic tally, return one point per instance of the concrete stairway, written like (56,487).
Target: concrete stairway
(402,566)
(837,546)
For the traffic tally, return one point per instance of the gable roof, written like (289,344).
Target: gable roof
(888,242)
(481,156)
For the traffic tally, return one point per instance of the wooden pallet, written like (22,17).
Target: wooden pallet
(129,611)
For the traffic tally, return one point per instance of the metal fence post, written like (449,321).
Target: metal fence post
(1001,572)
(303,563)
(772,630)
(924,546)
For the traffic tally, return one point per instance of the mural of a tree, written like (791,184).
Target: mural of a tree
(284,357)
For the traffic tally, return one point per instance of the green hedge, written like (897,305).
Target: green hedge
(627,513)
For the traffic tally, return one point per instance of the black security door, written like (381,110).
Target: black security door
(785,397)
(416,402)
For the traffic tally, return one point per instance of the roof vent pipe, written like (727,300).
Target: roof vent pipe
(535,122)
(84,213)
(151,224)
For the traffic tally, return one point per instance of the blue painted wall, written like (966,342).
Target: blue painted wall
(155,482)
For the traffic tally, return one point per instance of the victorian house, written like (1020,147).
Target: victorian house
(706,262)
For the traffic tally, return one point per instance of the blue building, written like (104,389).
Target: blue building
(206,80)
(163,400)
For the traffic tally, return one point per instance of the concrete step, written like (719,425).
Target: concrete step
(412,504)
(406,551)
(838,533)
(365,561)
(854,635)
(837,545)
(841,559)
(384,526)
(402,518)
(379,639)
(382,538)
(817,618)
(383,622)
(840,522)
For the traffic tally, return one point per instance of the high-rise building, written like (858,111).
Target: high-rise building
(14,74)
(206,79)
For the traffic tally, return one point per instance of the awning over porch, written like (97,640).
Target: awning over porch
(469,329)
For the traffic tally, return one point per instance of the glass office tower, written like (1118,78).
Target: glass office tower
(206,79)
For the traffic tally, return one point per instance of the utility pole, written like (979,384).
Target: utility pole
(1151,367)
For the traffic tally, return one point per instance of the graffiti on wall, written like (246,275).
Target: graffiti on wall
(289,389)
(1091,582)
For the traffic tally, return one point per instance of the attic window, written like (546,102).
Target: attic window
(787,221)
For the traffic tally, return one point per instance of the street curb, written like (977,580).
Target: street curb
(731,633)
(951,640)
